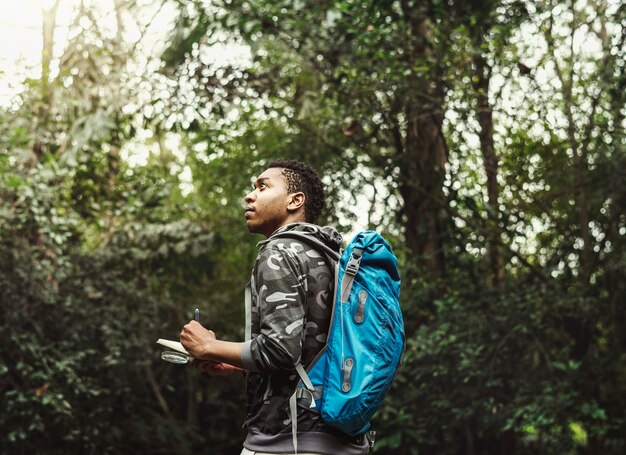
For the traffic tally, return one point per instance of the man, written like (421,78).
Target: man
(291,290)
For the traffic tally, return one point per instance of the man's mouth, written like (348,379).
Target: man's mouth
(248,212)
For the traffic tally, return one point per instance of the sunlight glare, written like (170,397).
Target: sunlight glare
(21,41)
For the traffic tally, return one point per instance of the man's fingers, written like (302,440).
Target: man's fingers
(215,368)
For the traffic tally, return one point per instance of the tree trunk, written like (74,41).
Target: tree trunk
(468,437)
(49,24)
(43,111)
(119,6)
(422,172)
(423,155)
(484,116)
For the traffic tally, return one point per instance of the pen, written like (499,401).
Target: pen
(196,315)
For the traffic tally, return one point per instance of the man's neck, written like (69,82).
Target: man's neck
(287,223)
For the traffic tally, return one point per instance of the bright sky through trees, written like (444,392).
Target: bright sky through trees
(21,34)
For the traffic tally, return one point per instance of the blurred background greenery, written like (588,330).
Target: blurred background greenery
(484,139)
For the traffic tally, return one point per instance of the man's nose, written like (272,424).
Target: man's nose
(250,196)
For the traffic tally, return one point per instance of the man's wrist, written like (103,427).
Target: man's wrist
(208,350)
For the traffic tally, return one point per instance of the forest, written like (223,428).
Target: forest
(485,139)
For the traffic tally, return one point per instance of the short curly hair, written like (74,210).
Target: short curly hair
(303,178)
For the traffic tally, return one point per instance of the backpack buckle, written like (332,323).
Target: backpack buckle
(371,438)
(354,262)
(308,397)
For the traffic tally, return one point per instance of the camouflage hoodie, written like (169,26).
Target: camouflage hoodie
(292,293)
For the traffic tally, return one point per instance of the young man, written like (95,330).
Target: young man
(291,289)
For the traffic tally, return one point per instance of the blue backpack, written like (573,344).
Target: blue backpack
(348,379)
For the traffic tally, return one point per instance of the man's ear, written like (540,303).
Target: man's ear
(296,202)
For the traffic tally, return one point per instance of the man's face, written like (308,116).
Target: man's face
(266,205)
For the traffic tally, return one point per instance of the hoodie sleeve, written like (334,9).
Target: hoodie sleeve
(281,304)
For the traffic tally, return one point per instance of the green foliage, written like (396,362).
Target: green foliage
(79,326)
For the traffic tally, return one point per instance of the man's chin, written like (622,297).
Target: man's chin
(256,229)
(252,228)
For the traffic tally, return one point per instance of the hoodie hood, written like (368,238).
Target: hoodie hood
(326,234)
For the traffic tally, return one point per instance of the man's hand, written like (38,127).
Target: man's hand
(215,368)
(202,345)
(196,339)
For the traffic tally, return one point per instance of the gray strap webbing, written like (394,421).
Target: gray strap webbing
(351,270)
(293,409)
(248,303)
(305,379)
(293,404)
(346,287)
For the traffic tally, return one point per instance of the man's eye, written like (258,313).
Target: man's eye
(262,185)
